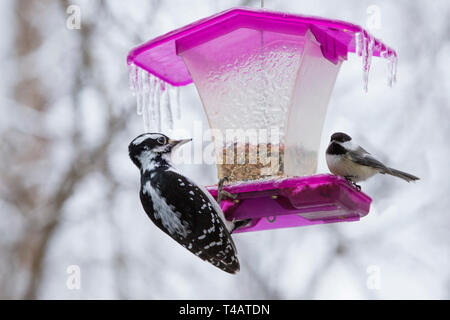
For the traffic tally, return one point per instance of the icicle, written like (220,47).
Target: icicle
(142,92)
(132,78)
(145,111)
(178,103)
(171,98)
(365,46)
(358,43)
(139,91)
(148,110)
(157,105)
(157,101)
(392,70)
(151,103)
(167,110)
(392,59)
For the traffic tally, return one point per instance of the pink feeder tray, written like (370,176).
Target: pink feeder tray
(261,71)
(294,202)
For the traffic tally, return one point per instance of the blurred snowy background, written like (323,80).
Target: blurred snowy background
(69,193)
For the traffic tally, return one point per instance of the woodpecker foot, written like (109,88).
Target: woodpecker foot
(240,223)
(349,179)
(222,193)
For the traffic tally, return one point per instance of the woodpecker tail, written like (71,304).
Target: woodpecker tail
(400,174)
(229,264)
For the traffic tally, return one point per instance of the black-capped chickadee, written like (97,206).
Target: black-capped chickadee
(354,163)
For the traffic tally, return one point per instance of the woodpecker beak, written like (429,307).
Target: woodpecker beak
(178,143)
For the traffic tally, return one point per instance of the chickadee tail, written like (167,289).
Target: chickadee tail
(400,174)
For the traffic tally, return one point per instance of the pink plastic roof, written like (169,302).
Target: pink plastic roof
(159,56)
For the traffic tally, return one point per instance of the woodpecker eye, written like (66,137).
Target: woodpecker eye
(161,140)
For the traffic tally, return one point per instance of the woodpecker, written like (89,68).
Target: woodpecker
(351,161)
(178,206)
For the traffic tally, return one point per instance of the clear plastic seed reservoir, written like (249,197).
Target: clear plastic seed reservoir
(265,79)
(270,80)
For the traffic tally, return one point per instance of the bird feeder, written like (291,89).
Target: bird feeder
(267,76)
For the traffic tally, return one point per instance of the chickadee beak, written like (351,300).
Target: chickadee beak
(178,143)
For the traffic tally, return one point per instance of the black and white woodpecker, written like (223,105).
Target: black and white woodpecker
(184,210)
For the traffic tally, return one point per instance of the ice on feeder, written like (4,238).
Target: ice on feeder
(367,58)
(364,43)
(131,78)
(174,97)
(392,68)
(367,46)
(156,101)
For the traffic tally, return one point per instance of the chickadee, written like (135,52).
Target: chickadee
(182,209)
(354,163)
